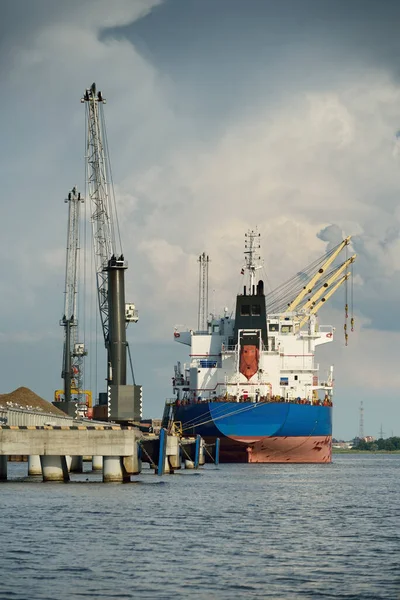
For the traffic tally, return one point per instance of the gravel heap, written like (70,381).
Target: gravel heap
(26,399)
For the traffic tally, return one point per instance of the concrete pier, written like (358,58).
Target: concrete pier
(97,463)
(119,451)
(3,468)
(54,468)
(114,470)
(34,465)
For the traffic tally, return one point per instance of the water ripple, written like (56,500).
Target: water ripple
(296,532)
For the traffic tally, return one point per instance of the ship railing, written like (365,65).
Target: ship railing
(260,400)
(226,348)
(180,381)
(206,363)
(170,401)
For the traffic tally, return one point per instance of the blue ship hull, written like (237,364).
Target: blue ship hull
(261,432)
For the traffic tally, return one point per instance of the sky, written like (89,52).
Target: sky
(222,115)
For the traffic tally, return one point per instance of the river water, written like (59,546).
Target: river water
(237,531)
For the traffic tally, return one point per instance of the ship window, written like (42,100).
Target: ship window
(215,328)
(245,309)
(296,377)
(286,328)
(256,310)
(274,327)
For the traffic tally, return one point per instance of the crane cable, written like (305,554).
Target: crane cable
(352,299)
(113,205)
(346,305)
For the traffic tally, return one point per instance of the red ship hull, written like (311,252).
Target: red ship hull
(299,449)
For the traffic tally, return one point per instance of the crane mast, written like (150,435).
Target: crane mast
(72,371)
(109,261)
(98,177)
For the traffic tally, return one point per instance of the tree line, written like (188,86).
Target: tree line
(389,444)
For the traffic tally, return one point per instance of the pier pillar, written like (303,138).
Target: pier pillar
(97,463)
(114,470)
(217,446)
(34,465)
(163,463)
(202,453)
(173,452)
(76,464)
(132,464)
(3,468)
(197,452)
(54,468)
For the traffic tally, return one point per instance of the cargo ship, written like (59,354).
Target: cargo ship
(252,380)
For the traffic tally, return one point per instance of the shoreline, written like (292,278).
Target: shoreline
(351,451)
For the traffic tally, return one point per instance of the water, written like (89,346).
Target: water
(239,531)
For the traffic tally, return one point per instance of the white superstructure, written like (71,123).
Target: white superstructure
(262,356)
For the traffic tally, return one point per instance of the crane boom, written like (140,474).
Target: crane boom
(329,293)
(309,287)
(98,178)
(311,302)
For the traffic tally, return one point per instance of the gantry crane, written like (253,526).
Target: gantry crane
(74,351)
(124,401)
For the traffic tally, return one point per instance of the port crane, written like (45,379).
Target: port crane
(73,350)
(124,401)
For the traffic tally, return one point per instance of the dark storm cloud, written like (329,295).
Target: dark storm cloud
(181,34)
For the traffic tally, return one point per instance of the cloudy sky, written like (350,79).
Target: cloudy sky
(222,115)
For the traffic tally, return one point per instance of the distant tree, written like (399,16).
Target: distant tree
(388,445)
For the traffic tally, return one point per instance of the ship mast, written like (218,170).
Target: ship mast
(252,257)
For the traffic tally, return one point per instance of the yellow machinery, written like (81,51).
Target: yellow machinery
(87,393)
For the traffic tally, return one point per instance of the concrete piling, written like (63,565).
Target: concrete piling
(3,468)
(133,464)
(54,468)
(202,453)
(34,465)
(76,465)
(97,463)
(173,458)
(114,470)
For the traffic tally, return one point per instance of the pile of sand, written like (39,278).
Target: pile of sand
(24,398)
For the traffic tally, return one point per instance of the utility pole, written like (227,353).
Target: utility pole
(361,424)
(381,433)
